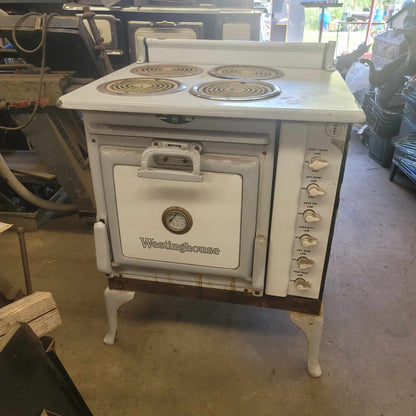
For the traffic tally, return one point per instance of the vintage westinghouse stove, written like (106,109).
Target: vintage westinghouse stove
(217,169)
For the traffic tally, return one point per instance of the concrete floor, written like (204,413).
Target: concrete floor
(177,356)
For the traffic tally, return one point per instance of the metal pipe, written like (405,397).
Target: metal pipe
(25,260)
(321,24)
(370,21)
(98,39)
(28,196)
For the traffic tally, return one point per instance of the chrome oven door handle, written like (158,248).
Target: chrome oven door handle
(170,174)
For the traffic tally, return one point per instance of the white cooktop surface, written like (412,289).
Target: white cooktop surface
(306,95)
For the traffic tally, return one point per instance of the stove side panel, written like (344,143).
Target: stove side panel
(290,159)
(307,184)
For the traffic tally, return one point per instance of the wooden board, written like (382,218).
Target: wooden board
(39,310)
(48,413)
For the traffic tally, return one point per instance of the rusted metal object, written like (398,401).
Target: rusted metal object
(57,137)
(289,303)
(98,39)
(25,260)
(20,88)
(19,66)
(44,102)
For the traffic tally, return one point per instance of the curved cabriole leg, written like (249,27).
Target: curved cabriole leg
(113,300)
(312,326)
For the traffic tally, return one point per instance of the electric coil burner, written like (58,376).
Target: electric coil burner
(177,70)
(245,72)
(141,86)
(230,198)
(235,90)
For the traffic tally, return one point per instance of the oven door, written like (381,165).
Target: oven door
(198,217)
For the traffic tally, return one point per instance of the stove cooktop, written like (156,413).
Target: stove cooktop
(242,82)
(151,90)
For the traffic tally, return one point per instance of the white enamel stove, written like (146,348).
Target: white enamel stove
(214,174)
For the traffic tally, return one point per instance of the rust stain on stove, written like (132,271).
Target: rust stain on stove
(339,144)
(198,280)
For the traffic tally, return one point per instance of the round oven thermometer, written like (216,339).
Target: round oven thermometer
(177,220)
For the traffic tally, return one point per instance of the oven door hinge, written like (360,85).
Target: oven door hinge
(259,264)
(102,249)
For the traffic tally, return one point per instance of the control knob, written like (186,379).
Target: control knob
(302,284)
(308,241)
(314,189)
(304,263)
(311,216)
(317,163)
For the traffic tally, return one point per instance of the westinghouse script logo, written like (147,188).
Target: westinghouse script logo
(182,248)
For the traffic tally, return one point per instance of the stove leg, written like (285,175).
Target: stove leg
(113,300)
(312,326)
(393,171)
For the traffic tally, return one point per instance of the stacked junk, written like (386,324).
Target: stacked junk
(44,158)
(390,102)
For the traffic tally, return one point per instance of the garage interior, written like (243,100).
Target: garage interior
(184,356)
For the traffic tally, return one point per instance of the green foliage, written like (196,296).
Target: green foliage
(361,4)
(312,15)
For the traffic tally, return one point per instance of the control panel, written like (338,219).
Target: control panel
(317,196)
